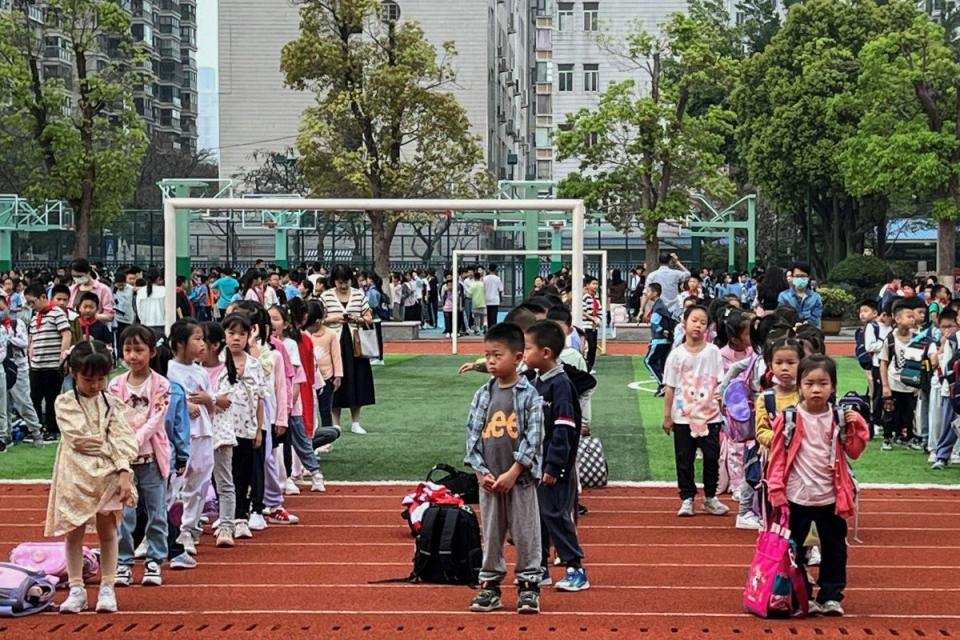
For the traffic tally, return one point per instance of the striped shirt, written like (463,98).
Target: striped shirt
(46,339)
(356,305)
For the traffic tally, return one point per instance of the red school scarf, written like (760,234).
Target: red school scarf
(86,325)
(306,388)
(47,309)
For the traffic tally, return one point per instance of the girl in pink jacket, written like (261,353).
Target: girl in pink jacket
(808,472)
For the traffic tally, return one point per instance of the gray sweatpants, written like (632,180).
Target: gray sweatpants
(226,494)
(19,397)
(516,512)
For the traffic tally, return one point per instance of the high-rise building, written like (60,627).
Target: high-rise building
(167,30)
(208,132)
(492,74)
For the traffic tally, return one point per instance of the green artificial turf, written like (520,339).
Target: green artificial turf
(421,410)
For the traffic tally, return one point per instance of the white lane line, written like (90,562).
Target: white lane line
(662,565)
(406,613)
(593,587)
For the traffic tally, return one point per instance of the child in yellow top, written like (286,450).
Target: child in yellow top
(91,473)
(783,357)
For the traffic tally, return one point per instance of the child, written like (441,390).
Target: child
(147,396)
(899,400)
(14,340)
(297,433)
(733,338)
(694,369)
(941,354)
(808,473)
(876,326)
(662,325)
(91,328)
(561,437)
(241,387)
(186,342)
(326,353)
(504,438)
(91,477)
(49,343)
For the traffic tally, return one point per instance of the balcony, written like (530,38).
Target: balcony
(168,6)
(58,53)
(35,14)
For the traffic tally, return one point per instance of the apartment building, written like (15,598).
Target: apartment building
(492,74)
(167,30)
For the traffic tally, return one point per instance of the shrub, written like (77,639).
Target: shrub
(859,272)
(836,302)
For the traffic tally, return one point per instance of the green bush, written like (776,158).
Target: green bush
(836,302)
(859,272)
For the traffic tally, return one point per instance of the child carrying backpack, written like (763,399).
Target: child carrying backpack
(814,482)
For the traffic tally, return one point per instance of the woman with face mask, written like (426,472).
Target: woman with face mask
(83,281)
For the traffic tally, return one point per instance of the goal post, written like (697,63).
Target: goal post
(576,309)
(172,207)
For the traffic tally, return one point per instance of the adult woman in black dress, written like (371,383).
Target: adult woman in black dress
(347,308)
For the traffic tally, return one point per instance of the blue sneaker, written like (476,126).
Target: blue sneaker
(575,580)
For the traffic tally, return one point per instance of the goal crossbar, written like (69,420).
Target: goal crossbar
(171,206)
(576,309)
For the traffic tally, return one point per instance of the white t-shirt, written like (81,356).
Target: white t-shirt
(492,289)
(192,378)
(695,378)
(895,361)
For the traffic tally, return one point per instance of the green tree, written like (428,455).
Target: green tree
(908,141)
(385,125)
(644,149)
(796,103)
(77,136)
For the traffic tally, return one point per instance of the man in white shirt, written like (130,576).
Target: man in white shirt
(493,292)
(669,277)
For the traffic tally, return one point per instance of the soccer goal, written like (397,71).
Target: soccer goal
(174,207)
(576,309)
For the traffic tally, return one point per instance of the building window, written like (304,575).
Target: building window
(565,74)
(544,169)
(390,11)
(591,16)
(544,106)
(591,139)
(591,78)
(565,16)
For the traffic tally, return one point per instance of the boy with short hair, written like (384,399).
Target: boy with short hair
(875,325)
(662,325)
(561,437)
(504,436)
(88,306)
(899,400)
(49,342)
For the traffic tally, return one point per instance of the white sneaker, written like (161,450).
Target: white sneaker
(327,448)
(932,457)
(141,551)
(107,599)
(317,484)
(75,602)
(241,529)
(357,429)
(686,508)
(735,496)
(257,523)
(954,459)
(813,556)
(290,488)
(187,542)
(714,507)
(183,561)
(124,577)
(749,521)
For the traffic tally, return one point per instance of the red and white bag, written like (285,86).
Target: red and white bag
(419,500)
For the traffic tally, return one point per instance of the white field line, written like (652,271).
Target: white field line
(407,613)
(618,484)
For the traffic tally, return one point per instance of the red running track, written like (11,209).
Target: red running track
(654,576)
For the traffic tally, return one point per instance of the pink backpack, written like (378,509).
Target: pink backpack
(51,558)
(775,587)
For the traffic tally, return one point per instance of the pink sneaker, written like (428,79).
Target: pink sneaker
(282,516)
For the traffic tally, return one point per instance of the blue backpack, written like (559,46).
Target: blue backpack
(865,359)
(23,591)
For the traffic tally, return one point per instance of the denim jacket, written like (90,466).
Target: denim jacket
(526,404)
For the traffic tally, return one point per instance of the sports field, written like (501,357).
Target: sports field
(422,406)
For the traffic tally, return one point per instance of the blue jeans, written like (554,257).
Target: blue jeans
(325,403)
(153,496)
(948,437)
(301,444)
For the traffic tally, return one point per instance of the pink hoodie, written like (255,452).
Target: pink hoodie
(153,428)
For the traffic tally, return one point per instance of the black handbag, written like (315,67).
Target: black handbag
(463,484)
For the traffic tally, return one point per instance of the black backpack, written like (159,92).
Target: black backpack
(463,484)
(448,548)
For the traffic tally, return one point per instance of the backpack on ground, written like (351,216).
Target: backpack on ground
(775,586)
(863,357)
(417,502)
(448,548)
(461,483)
(592,468)
(24,591)
(51,558)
